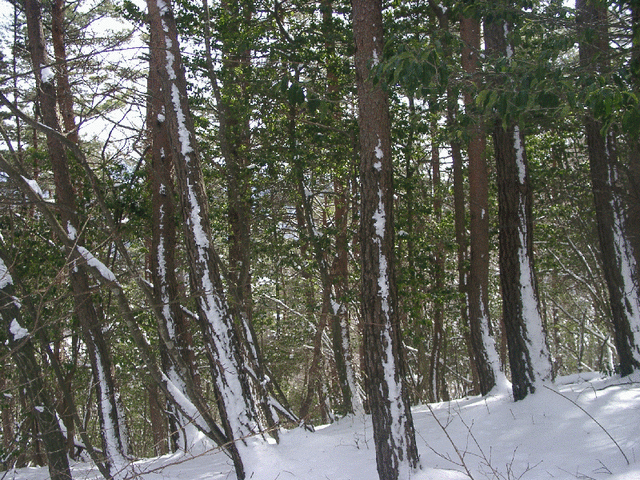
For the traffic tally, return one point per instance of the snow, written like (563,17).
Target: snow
(544,436)
(47,74)
(627,264)
(71,232)
(108,415)
(5,276)
(17,330)
(540,359)
(94,262)
(34,186)
(506,39)
(517,143)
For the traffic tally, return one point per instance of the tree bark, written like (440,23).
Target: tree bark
(484,353)
(112,429)
(351,401)
(173,324)
(618,256)
(232,99)
(394,436)
(220,336)
(528,353)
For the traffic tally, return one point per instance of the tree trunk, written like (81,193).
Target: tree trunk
(618,256)
(351,401)
(528,354)
(65,98)
(435,377)
(394,436)
(112,429)
(484,352)
(174,324)
(24,356)
(220,336)
(235,134)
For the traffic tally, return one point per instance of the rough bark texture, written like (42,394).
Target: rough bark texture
(394,436)
(220,336)
(113,433)
(618,258)
(174,324)
(482,345)
(65,97)
(233,98)
(528,354)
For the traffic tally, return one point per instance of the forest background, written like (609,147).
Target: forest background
(104,258)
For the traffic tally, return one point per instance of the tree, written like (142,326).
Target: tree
(618,256)
(528,354)
(113,429)
(173,323)
(394,436)
(237,411)
(483,348)
(24,354)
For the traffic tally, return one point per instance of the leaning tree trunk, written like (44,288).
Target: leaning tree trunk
(232,98)
(112,426)
(394,436)
(618,256)
(528,353)
(220,337)
(173,324)
(24,355)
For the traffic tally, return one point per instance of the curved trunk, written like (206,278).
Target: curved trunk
(112,427)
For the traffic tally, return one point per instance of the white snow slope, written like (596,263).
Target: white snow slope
(544,436)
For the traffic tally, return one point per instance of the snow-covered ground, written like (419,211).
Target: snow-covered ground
(544,436)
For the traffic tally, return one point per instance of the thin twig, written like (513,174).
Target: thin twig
(592,418)
(455,447)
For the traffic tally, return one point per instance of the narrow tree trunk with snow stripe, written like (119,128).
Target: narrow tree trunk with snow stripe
(528,353)
(221,340)
(618,255)
(163,270)
(394,436)
(113,429)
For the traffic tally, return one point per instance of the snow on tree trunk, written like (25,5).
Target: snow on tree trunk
(163,246)
(113,429)
(221,340)
(528,353)
(483,345)
(618,255)
(394,436)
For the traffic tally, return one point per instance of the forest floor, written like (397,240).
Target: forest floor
(581,427)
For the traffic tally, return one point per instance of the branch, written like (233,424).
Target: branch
(592,418)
